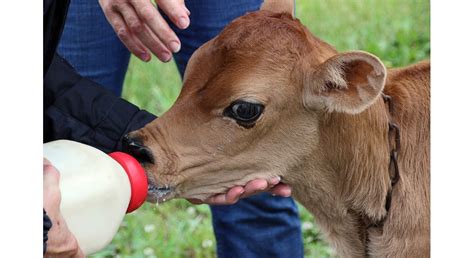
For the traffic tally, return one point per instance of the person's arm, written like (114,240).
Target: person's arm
(79,109)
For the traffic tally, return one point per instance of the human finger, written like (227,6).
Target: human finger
(157,24)
(255,186)
(131,42)
(231,197)
(282,190)
(141,30)
(176,11)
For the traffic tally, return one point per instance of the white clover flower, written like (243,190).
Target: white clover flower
(207,243)
(148,251)
(149,228)
(191,211)
(307,225)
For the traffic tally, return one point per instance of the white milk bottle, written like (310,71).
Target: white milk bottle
(97,190)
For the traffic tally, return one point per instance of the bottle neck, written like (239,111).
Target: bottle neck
(137,177)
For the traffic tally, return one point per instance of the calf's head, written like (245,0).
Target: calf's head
(251,106)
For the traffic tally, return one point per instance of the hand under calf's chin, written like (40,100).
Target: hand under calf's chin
(200,188)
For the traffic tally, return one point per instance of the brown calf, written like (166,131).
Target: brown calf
(265,98)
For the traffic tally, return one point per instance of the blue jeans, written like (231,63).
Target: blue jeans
(259,226)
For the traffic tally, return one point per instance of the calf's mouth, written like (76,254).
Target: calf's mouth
(156,193)
(159,194)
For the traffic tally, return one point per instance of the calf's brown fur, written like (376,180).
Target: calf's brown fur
(323,130)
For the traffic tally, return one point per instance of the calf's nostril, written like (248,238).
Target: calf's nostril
(134,146)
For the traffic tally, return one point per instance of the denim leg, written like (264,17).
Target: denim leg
(260,226)
(91,46)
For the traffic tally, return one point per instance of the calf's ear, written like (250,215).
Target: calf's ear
(279,6)
(347,82)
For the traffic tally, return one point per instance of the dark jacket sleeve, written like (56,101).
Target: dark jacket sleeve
(46,227)
(78,109)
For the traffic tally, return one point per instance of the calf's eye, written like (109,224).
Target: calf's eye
(245,113)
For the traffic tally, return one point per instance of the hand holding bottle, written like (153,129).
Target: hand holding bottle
(61,242)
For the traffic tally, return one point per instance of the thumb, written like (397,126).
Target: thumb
(50,173)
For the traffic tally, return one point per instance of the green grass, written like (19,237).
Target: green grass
(397,31)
